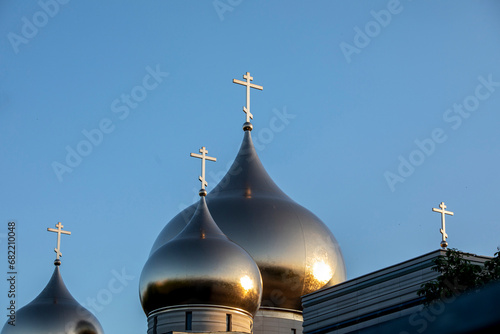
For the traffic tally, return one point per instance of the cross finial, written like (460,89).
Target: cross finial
(59,231)
(443,212)
(203,157)
(246,110)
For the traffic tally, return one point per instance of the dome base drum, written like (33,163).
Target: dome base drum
(200,318)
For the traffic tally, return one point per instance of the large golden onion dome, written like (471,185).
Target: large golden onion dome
(295,251)
(200,266)
(54,310)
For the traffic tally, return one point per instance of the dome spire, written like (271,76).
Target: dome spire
(247,125)
(443,212)
(59,231)
(203,157)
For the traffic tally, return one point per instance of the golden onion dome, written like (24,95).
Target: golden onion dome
(200,266)
(54,310)
(295,251)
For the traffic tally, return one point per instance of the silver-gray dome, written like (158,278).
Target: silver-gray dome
(200,266)
(295,251)
(54,310)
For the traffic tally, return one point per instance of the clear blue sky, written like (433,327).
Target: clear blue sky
(362,82)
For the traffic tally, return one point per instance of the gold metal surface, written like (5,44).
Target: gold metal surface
(59,231)
(443,212)
(249,85)
(200,266)
(295,251)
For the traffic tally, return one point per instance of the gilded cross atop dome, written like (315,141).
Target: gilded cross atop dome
(59,231)
(203,157)
(443,212)
(246,109)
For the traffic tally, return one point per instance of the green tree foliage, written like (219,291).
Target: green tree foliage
(492,268)
(458,275)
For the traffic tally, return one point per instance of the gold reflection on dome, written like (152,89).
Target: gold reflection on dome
(246,283)
(322,272)
(318,274)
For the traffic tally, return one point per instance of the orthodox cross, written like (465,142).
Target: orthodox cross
(443,212)
(249,85)
(203,157)
(59,231)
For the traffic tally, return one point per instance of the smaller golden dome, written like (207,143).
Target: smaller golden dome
(200,266)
